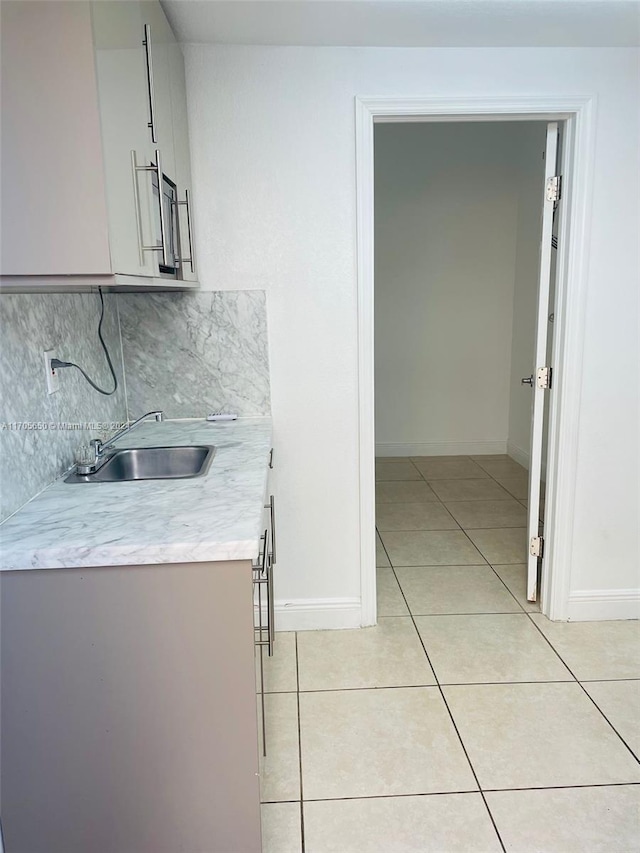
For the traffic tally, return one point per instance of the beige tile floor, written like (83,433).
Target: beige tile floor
(465,720)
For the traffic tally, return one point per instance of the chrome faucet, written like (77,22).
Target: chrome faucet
(159,416)
(100,448)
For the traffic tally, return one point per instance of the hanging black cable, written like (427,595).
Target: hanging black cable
(56,363)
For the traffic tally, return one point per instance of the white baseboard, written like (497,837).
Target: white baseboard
(315,614)
(599,604)
(519,454)
(442,448)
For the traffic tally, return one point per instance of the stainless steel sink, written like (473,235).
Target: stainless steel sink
(151,463)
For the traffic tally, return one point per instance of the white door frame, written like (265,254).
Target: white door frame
(573,253)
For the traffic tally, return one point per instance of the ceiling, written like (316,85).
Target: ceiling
(408,23)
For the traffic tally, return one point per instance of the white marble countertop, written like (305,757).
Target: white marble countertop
(214,517)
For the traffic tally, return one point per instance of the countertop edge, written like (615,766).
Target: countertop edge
(235,499)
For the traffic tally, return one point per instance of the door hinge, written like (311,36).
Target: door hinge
(536,546)
(543,377)
(554,188)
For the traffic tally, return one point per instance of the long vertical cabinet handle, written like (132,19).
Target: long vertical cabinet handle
(260,577)
(185,203)
(151,124)
(271,602)
(271,506)
(157,168)
(163,221)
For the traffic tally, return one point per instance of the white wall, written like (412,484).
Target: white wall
(272,133)
(446,210)
(530,175)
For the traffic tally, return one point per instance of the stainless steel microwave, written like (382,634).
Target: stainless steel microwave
(166,230)
(165,222)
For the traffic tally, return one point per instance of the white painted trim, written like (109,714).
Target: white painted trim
(519,454)
(85,283)
(574,227)
(366,388)
(567,358)
(522,457)
(315,614)
(442,448)
(586,605)
(447,109)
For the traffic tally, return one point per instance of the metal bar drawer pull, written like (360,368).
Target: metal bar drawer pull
(157,168)
(262,632)
(185,204)
(263,601)
(271,506)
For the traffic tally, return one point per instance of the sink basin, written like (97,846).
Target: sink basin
(151,463)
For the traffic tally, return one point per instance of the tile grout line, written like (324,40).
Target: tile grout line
(430,664)
(453,722)
(528,614)
(579,683)
(455,529)
(633,753)
(302,840)
(458,793)
(451,530)
(457,683)
(471,613)
(446,704)
(423,686)
(560,658)
(503,582)
(467,792)
(442,503)
(475,565)
(464,749)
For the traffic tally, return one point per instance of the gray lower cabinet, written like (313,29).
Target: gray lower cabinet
(129,720)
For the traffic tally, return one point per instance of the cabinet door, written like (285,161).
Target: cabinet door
(182,162)
(54,219)
(124,113)
(156,30)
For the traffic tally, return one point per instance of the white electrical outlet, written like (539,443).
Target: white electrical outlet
(53,380)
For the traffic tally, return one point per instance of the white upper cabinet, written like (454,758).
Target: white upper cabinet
(52,185)
(124,111)
(182,161)
(158,37)
(93,98)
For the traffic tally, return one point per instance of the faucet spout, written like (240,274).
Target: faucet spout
(100,448)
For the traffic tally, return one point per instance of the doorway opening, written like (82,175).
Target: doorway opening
(458,298)
(467,245)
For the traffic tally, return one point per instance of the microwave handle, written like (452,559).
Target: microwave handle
(185,203)
(157,168)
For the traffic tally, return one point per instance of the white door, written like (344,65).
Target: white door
(540,380)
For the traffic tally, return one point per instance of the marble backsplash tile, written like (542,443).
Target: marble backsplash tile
(193,353)
(187,354)
(30,459)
